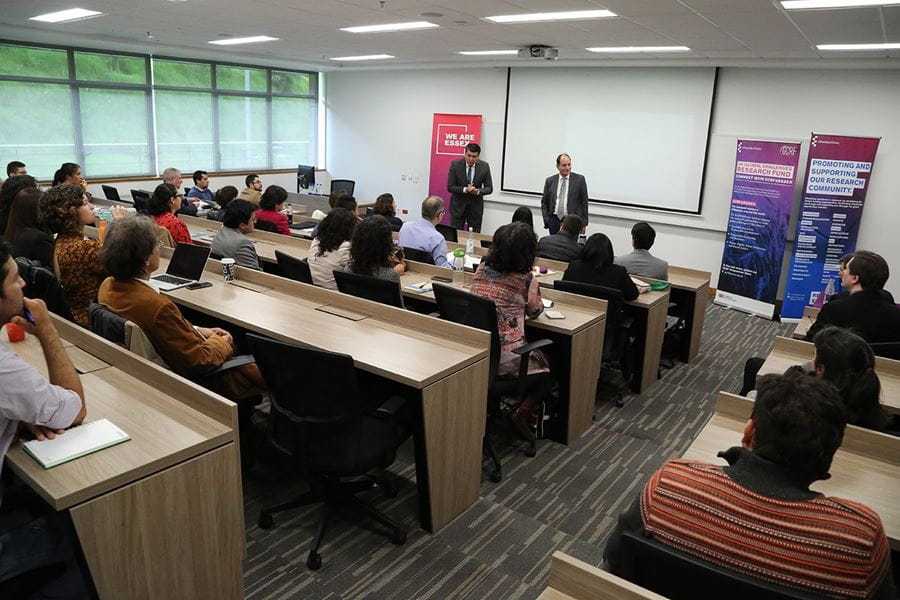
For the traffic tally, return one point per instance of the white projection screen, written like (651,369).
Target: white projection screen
(638,135)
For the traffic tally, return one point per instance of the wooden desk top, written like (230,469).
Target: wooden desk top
(572,579)
(866,468)
(164,431)
(266,242)
(787,352)
(809,317)
(414,349)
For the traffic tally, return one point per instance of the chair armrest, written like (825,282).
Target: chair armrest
(234,362)
(525,352)
(390,408)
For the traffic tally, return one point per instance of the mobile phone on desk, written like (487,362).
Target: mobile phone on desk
(442,279)
(547,302)
(554,314)
(199,285)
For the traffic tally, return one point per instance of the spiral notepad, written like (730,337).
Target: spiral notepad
(76,442)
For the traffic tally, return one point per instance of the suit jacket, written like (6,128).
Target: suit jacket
(644,264)
(231,243)
(576,197)
(871,314)
(559,246)
(456,180)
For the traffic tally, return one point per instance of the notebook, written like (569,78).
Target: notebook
(185,267)
(76,442)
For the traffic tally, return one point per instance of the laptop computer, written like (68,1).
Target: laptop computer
(185,267)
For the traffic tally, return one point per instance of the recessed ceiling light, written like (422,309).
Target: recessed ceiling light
(812,4)
(390,27)
(244,40)
(431,15)
(553,16)
(65,16)
(636,49)
(888,46)
(364,57)
(487,52)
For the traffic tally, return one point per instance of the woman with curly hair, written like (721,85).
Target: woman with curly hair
(65,210)
(371,248)
(166,199)
(330,251)
(387,208)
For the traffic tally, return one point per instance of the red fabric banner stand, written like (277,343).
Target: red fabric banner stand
(449,136)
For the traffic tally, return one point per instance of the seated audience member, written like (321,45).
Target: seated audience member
(270,206)
(866,307)
(640,262)
(341,200)
(201,191)
(505,276)
(231,240)
(371,248)
(757,516)
(330,250)
(45,406)
(8,192)
(224,195)
(846,361)
(523,215)
(131,255)
(65,210)
(596,266)
(25,235)
(166,199)
(422,234)
(563,245)
(387,208)
(70,173)
(173,177)
(336,195)
(253,191)
(14,168)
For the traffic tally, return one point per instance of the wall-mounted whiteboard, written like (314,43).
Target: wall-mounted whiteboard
(639,136)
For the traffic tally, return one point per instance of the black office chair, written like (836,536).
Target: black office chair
(348,185)
(40,282)
(461,307)
(679,576)
(319,420)
(487,243)
(418,255)
(886,349)
(293,268)
(140,198)
(111,193)
(187,191)
(618,351)
(448,232)
(370,288)
(266,226)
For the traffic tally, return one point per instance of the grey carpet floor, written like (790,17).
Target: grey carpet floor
(566,498)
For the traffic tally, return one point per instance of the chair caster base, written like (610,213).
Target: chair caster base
(265,521)
(314,561)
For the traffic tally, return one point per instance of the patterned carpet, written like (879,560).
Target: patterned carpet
(566,498)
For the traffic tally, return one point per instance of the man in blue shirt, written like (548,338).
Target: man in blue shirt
(422,234)
(201,189)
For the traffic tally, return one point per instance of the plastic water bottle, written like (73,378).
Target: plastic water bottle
(829,289)
(459,265)
(470,243)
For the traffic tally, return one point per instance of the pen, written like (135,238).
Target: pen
(28,316)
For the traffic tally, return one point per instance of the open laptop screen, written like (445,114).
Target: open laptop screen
(188,261)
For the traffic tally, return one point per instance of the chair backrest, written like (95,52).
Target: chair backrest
(418,255)
(370,288)
(140,198)
(487,243)
(266,226)
(679,576)
(886,349)
(293,268)
(348,185)
(111,193)
(460,306)
(216,256)
(138,342)
(187,191)
(40,282)
(448,232)
(321,426)
(119,330)
(614,298)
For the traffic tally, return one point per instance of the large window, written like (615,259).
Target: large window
(122,114)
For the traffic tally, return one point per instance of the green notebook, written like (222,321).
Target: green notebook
(76,442)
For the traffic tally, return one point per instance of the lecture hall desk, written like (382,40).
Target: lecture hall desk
(159,516)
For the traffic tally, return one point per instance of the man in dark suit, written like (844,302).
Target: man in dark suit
(564,194)
(866,307)
(468,180)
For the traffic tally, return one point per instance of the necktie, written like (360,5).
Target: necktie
(469,175)
(561,199)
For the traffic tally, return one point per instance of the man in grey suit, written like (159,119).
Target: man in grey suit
(564,194)
(468,181)
(640,262)
(231,240)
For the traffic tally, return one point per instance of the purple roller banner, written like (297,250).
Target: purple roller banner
(837,179)
(761,199)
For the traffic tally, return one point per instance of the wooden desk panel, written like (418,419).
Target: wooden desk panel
(809,317)
(572,579)
(788,352)
(866,468)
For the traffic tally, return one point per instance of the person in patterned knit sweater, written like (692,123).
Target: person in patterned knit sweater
(757,516)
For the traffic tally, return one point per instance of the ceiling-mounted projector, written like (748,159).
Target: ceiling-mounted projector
(545,52)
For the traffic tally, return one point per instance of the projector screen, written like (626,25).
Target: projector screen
(637,135)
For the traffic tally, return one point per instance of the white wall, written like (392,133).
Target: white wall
(378,127)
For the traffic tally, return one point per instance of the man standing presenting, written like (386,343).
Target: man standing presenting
(564,194)
(468,181)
